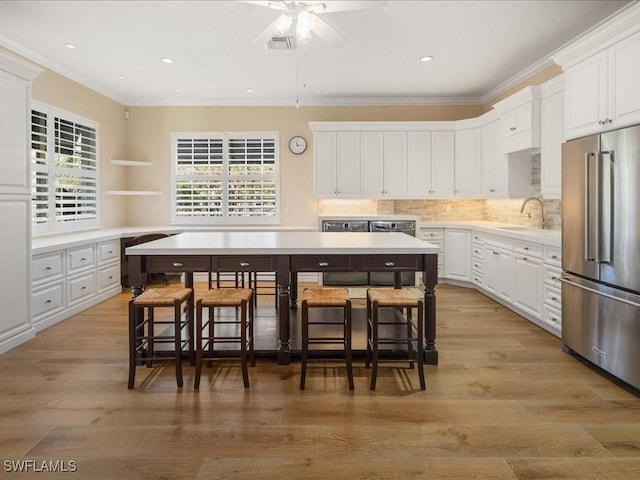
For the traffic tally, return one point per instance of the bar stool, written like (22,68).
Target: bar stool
(326,298)
(241,298)
(398,299)
(143,337)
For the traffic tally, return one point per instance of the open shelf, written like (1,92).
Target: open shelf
(132,163)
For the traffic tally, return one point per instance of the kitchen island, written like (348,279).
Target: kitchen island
(287,254)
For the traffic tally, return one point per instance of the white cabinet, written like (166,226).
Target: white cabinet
(552,289)
(430,163)
(467,162)
(520,121)
(336,164)
(601,90)
(497,264)
(551,139)
(16,75)
(457,247)
(494,162)
(384,164)
(477,258)
(435,236)
(527,273)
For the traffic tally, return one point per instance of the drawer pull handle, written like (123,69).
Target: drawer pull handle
(525,259)
(555,299)
(323,264)
(48,300)
(83,288)
(554,277)
(526,248)
(389,264)
(177,264)
(83,259)
(110,252)
(244,264)
(554,257)
(110,277)
(47,268)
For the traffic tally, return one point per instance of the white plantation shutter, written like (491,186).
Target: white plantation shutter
(64,156)
(225,177)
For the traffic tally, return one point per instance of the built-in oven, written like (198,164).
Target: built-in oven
(345,278)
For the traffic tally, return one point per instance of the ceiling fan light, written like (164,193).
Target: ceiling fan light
(283,23)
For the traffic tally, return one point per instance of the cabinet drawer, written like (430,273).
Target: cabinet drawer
(477,278)
(429,234)
(552,296)
(477,238)
(324,263)
(48,300)
(552,276)
(527,248)
(477,264)
(108,277)
(108,251)
(263,263)
(81,288)
(476,251)
(379,263)
(552,256)
(175,263)
(552,316)
(47,267)
(80,258)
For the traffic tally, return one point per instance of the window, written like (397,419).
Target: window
(64,171)
(225,177)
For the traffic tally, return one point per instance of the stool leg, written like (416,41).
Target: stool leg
(251,344)
(150,332)
(367,361)
(132,345)
(374,346)
(420,346)
(190,313)
(211,335)
(347,346)
(196,382)
(305,343)
(243,343)
(177,335)
(409,336)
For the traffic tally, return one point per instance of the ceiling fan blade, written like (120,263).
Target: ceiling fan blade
(275,5)
(266,35)
(327,33)
(343,6)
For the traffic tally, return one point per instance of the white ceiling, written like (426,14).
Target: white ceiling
(479,49)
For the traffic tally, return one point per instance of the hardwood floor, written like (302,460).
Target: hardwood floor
(504,403)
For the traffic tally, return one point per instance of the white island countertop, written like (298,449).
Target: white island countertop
(284,243)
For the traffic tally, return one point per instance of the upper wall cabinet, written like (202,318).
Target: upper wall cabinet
(520,121)
(336,168)
(552,136)
(430,163)
(384,164)
(468,162)
(602,77)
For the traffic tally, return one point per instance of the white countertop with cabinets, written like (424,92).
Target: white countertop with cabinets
(547,237)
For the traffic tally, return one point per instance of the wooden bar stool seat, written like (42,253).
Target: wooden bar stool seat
(242,334)
(403,302)
(144,336)
(326,298)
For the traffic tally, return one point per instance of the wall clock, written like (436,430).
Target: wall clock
(297,145)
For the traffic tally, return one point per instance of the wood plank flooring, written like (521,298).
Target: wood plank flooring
(504,403)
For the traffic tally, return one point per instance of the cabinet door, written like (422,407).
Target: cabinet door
(467,162)
(457,261)
(624,65)
(324,164)
(504,274)
(395,164)
(348,163)
(15,169)
(372,144)
(493,162)
(419,164)
(527,293)
(442,163)
(490,265)
(586,96)
(551,145)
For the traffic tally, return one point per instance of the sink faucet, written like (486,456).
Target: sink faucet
(527,200)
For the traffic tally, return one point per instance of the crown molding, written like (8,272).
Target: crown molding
(610,31)
(18,66)
(517,79)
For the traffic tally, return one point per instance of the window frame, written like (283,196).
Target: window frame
(225,218)
(53,172)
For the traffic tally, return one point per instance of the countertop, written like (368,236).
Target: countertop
(546,237)
(273,243)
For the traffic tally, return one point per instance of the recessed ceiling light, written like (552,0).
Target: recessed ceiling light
(70,45)
(121,77)
(178,90)
(426,59)
(249,90)
(166,60)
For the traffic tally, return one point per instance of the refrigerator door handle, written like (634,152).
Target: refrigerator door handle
(604,181)
(592,290)
(587,205)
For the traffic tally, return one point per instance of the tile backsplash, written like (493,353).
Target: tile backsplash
(498,210)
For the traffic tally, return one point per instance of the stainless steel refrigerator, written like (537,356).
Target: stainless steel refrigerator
(601,251)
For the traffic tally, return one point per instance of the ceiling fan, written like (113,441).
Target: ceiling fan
(299,19)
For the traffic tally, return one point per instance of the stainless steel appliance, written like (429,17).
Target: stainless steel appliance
(345,278)
(404,226)
(601,251)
